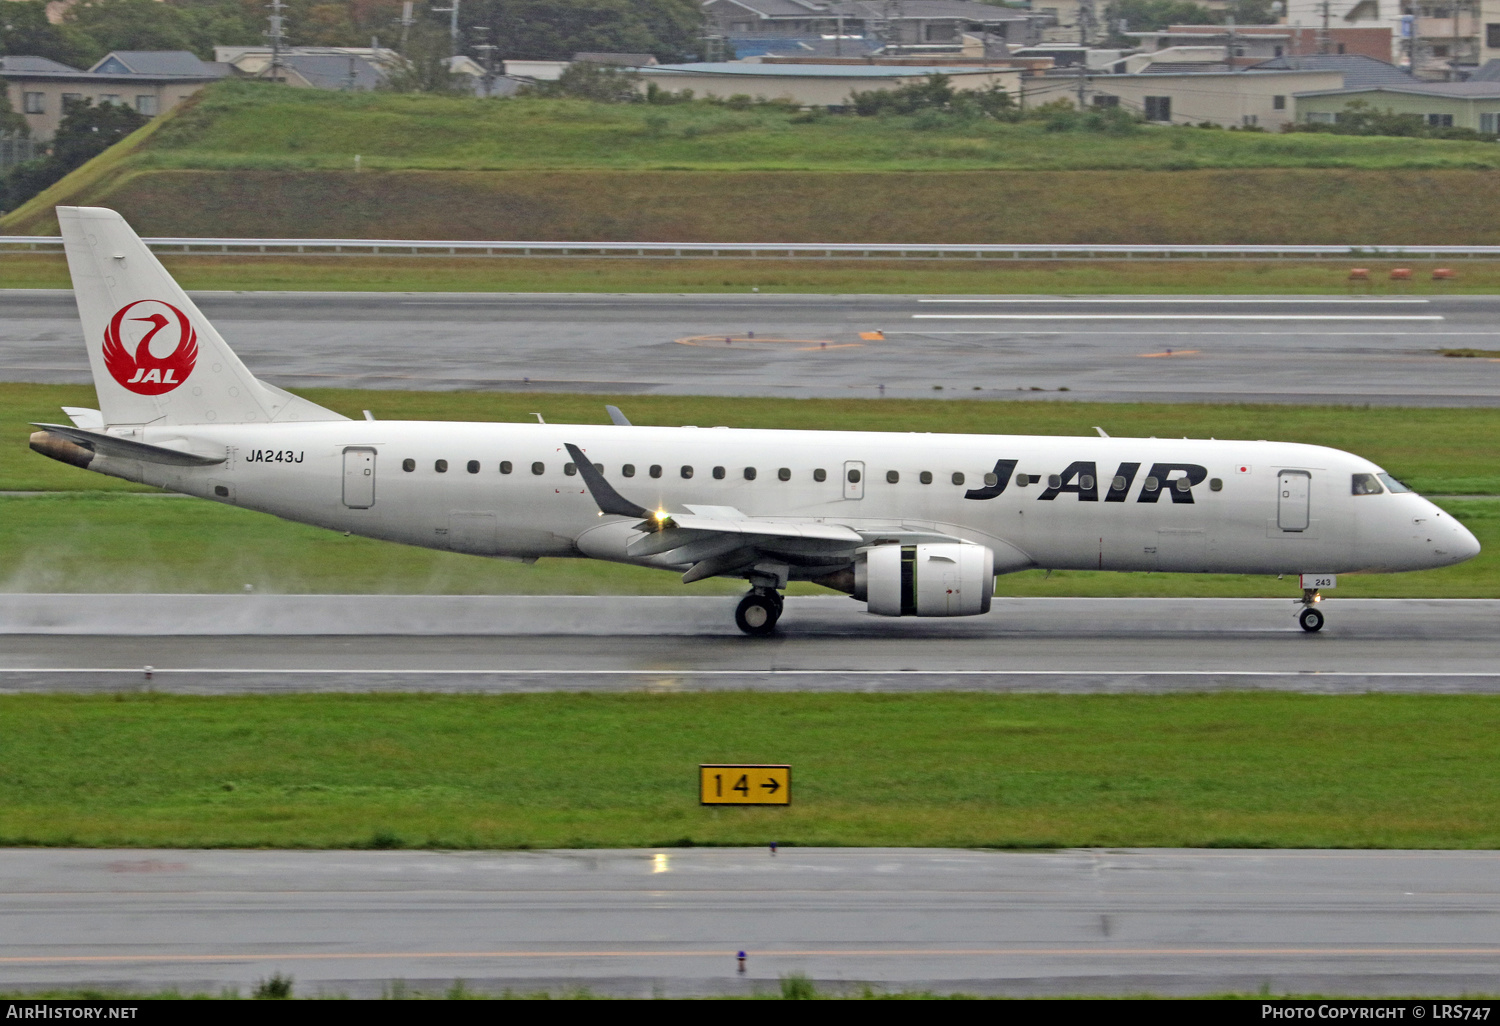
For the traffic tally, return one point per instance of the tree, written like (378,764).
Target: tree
(425,67)
(602,83)
(670,30)
(85,132)
(11,123)
(25,31)
(131,24)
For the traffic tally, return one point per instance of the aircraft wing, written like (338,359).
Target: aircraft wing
(722,540)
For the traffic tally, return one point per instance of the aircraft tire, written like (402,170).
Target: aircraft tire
(757,614)
(1311,620)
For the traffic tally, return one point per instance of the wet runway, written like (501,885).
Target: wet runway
(670,921)
(1378,350)
(226,644)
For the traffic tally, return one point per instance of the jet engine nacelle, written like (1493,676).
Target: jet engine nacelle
(938,579)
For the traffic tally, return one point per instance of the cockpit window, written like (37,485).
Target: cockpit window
(1366,484)
(1392,483)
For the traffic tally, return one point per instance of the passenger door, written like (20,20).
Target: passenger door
(359,478)
(1293,499)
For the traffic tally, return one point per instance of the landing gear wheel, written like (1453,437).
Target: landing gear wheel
(1311,620)
(757,613)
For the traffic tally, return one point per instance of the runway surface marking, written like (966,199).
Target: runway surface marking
(1180,352)
(1176,317)
(1085,952)
(1222,301)
(1237,334)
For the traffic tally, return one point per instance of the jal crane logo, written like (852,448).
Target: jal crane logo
(158,356)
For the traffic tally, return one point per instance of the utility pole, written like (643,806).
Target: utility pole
(275,35)
(1085,33)
(1229,42)
(1323,39)
(486,57)
(452,13)
(406,23)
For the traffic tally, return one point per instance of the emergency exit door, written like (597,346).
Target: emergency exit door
(854,479)
(359,478)
(1293,488)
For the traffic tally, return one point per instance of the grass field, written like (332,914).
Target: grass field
(90,538)
(1231,770)
(246,160)
(957,277)
(250,125)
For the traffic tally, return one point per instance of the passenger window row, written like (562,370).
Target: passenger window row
(719,473)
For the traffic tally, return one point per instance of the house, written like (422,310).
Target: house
(913,26)
(1240,99)
(347,68)
(1473,105)
(1265,42)
(152,82)
(1309,14)
(815,85)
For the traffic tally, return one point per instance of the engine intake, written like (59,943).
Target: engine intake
(938,579)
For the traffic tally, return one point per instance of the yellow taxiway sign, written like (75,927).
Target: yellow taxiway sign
(744,784)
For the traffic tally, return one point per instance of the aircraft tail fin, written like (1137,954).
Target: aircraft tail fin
(156,359)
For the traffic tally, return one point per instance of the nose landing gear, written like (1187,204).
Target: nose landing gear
(1311,617)
(758,612)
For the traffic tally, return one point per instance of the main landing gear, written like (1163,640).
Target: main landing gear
(1311,617)
(758,612)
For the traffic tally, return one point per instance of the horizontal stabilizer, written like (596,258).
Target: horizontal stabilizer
(124,448)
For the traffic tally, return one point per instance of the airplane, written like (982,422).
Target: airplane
(913,524)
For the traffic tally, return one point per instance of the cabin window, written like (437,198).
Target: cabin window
(628,470)
(472,467)
(1085,481)
(1022,480)
(925,477)
(749,473)
(1119,484)
(892,476)
(991,479)
(656,470)
(853,476)
(718,473)
(820,475)
(1183,484)
(408,465)
(785,473)
(1216,484)
(687,472)
(505,467)
(1054,480)
(570,469)
(1151,484)
(1365,484)
(958,477)
(539,468)
(441,466)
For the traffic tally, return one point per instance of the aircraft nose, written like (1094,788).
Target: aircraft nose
(1465,545)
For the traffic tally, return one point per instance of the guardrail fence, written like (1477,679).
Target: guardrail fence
(764,250)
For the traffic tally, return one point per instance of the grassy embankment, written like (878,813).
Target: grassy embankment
(90,537)
(969,770)
(252,161)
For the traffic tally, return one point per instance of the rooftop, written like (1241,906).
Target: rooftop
(1360,72)
(820,70)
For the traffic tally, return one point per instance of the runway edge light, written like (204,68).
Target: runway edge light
(744,784)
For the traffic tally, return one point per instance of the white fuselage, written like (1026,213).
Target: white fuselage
(1277,508)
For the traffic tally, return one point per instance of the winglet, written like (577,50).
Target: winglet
(609,500)
(617,418)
